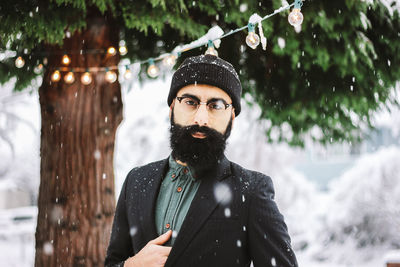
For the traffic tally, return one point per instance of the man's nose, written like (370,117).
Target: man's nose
(201,116)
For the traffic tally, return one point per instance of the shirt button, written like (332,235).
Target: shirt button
(167,226)
(179,189)
(173,175)
(185,170)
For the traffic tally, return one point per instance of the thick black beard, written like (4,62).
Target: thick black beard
(199,154)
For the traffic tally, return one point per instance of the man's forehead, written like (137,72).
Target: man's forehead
(204,92)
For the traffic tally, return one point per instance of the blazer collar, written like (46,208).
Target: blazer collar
(224,169)
(202,206)
(148,199)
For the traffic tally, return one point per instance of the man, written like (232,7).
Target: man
(196,208)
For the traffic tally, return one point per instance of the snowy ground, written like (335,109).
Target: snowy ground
(355,222)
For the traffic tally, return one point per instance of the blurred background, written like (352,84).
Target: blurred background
(321,116)
(340,201)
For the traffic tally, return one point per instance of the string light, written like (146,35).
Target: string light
(56,76)
(296,17)
(123,50)
(69,77)
(128,74)
(169,61)
(66,60)
(152,70)
(252,39)
(19,62)
(112,51)
(86,78)
(38,69)
(111,76)
(211,50)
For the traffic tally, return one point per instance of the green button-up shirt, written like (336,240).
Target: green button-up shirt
(176,194)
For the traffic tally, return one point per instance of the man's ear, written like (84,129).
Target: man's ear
(171,109)
(233,116)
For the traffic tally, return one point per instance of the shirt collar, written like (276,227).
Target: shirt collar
(221,170)
(179,169)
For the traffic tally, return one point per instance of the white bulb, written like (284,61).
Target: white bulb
(295,17)
(211,51)
(169,61)
(112,51)
(66,60)
(111,76)
(123,50)
(69,77)
(56,76)
(86,78)
(38,69)
(19,62)
(153,71)
(253,40)
(128,74)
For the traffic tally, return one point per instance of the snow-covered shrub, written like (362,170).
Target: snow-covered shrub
(363,210)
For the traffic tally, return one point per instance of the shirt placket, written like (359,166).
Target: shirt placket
(169,223)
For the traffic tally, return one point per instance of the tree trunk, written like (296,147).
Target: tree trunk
(79,122)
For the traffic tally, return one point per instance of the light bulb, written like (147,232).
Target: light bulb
(128,74)
(295,17)
(86,78)
(38,69)
(69,77)
(112,51)
(211,50)
(169,61)
(111,76)
(153,71)
(252,40)
(19,62)
(66,60)
(123,50)
(56,76)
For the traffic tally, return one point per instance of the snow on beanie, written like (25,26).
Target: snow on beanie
(211,70)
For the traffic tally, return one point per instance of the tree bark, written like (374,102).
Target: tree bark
(76,195)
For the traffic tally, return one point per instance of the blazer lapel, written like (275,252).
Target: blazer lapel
(148,197)
(203,204)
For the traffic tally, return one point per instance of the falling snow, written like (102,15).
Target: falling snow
(48,248)
(227,212)
(281,42)
(174,234)
(294,193)
(132,231)
(222,193)
(97,154)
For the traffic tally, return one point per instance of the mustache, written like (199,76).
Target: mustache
(191,129)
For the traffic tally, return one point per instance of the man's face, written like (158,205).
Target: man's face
(203,116)
(201,120)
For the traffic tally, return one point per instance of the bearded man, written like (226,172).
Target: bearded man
(197,208)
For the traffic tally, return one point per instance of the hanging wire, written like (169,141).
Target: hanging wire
(150,60)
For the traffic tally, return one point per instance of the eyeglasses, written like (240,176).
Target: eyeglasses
(214,106)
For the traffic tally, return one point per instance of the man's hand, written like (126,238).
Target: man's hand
(153,254)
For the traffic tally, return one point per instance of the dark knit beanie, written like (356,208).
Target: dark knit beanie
(211,70)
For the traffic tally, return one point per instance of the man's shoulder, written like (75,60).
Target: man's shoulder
(148,168)
(247,175)
(253,184)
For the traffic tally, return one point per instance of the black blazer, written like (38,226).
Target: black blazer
(230,226)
